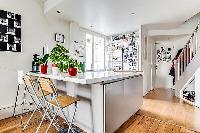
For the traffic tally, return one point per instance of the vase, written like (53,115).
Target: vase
(72,71)
(44,68)
(55,70)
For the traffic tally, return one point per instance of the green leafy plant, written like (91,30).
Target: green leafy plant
(58,53)
(43,60)
(59,56)
(72,63)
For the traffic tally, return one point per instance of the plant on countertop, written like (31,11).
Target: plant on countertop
(43,63)
(59,56)
(72,63)
(43,60)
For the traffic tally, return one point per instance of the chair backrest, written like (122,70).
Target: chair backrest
(28,81)
(31,88)
(47,85)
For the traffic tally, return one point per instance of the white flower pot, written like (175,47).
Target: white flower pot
(55,71)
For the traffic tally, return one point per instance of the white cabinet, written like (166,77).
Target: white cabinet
(123,99)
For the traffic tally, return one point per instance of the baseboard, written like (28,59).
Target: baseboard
(8,111)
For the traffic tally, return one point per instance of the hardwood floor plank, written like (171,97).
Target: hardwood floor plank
(168,128)
(161,127)
(184,130)
(176,129)
(140,128)
(134,124)
(149,124)
(154,126)
(127,124)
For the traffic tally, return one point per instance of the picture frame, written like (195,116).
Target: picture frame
(59,38)
(10,32)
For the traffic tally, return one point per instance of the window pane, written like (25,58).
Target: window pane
(88,52)
(98,53)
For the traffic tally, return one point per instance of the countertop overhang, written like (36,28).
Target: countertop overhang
(90,77)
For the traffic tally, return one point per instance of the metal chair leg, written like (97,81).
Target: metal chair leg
(24,97)
(29,119)
(70,126)
(52,121)
(16,99)
(41,121)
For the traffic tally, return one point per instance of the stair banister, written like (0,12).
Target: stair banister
(185,57)
(187,53)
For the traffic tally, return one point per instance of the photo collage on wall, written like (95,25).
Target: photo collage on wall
(128,52)
(164,55)
(130,56)
(10,31)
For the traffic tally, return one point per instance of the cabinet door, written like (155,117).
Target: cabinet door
(123,99)
(114,105)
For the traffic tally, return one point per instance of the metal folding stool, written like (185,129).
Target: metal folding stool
(58,102)
(37,98)
(20,82)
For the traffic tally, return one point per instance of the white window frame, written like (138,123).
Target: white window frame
(98,35)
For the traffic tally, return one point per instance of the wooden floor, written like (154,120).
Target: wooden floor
(162,112)
(12,125)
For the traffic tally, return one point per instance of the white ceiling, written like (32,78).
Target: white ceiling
(114,16)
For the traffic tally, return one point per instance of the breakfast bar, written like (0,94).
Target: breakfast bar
(107,98)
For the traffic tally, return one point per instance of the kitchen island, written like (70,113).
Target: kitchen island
(108,98)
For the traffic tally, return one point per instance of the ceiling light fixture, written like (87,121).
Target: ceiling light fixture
(91,26)
(58,11)
(132,13)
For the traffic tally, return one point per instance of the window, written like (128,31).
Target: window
(95,52)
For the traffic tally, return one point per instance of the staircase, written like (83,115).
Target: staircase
(187,63)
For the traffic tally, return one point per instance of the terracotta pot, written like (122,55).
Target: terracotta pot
(55,70)
(44,69)
(54,65)
(72,71)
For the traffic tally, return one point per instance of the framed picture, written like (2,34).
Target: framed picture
(59,38)
(10,31)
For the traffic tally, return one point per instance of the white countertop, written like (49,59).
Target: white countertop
(90,77)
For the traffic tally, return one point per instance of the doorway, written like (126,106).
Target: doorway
(164,54)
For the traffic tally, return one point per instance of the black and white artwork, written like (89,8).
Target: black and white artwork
(10,31)
(126,52)
(164,55)
(59,38)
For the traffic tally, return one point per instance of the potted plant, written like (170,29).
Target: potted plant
(73,65)
(58,56)
(43,63)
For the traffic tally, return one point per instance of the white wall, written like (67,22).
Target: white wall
(176,42)
(191,23)
(37,30)
(163,79)
(76,34)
